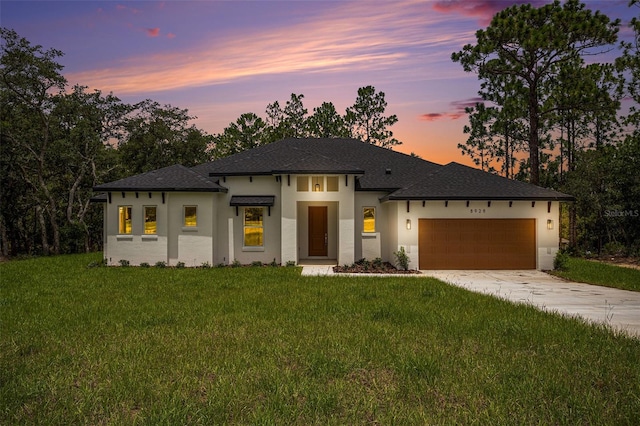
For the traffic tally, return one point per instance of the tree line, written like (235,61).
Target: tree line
(58,142)
(551,114)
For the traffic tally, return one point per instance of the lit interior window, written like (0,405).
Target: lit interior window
(190,216)
(253,227)
(303,183)
(369,224)
(332,183)
(124,220)
(150,223)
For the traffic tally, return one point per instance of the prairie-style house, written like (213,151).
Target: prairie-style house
(337,200)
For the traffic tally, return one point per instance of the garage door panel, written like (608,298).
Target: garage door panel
(477,244)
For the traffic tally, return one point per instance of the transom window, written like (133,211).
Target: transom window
(253,227)
(190,216)
(150,220)
(124,219)
(332,183)
(369,219)
(303,184)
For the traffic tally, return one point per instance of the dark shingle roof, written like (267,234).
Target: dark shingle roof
(456,181)
(377,169)
(325,156)
(172,178)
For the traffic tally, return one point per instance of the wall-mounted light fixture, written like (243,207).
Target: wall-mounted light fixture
(316,188)
(549,224)
(409,224)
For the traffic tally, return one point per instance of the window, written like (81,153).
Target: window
(253,227)
(317,183)
(124,220)
(332,183)
(303,183)
(369,223)
(190,216)
(150,223)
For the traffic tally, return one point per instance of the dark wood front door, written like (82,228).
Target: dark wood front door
(318,236)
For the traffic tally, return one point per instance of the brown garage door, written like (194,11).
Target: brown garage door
(477,243)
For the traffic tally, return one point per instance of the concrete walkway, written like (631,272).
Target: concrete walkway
(619,309)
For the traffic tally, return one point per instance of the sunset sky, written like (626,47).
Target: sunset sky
(219,59)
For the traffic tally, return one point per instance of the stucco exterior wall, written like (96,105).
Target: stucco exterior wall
(230,242)
(191,245)
(293,248)
(547,240)
(370,245)
(172,242)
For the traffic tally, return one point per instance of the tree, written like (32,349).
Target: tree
(327,123)
(493,138)
(158,136)
(290,122)
(367,121)
(247,132)
(55,147)
(30,79)
(526,48)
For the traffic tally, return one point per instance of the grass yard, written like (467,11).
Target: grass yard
(266,346)
(592,272)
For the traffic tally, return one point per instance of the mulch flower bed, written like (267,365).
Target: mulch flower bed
(367,267)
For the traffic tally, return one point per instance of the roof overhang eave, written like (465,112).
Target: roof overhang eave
(391,197)
(164,189)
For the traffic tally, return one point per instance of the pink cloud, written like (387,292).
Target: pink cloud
(484,10)
(153,32)
(457,110)
(171,35)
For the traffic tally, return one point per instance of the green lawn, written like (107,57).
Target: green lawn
(592,272)
(266,346)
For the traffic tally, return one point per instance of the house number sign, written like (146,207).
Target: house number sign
(477,211)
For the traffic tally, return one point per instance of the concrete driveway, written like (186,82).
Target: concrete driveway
(619,309)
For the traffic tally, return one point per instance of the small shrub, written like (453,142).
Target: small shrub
(180,265)
(377,262)
(236,263)
(205,265)
(274,263)
(256,263)
(221,265)
(402,259)
(124,262)
(290,263)
(561,261)
(99,264)
(160,264)
(145,265)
